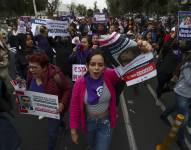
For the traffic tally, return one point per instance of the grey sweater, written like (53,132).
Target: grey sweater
(183,86)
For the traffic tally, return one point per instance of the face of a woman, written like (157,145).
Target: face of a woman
(96,66)
(85,43)
(149,35)
(112,29)
(95,39)
(29,41)
(188,21)
(36,70)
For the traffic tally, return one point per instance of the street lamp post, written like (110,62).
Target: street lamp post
(35,10)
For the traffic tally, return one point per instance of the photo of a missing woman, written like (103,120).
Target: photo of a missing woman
(128,55)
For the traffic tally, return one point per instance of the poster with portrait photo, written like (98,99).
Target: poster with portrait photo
(39,104)
(25,104)
(128,60)
(184,22)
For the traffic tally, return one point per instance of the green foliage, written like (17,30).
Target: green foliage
(81,9)
(121,7)
(20,7)
(90,13)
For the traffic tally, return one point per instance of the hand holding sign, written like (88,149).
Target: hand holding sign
(144,46)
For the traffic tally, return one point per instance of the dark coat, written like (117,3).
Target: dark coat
(5,99)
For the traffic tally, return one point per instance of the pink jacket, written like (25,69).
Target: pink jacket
(77,109)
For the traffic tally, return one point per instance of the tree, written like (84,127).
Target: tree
(95,7)
(81,9)
(90,13)
(72,7)
(52,6)
(20,7)
(121,7)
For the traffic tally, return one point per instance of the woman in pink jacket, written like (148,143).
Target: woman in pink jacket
(93,103)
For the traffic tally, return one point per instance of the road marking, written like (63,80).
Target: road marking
(129,130)
(162,106)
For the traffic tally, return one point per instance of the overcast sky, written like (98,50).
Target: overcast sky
(88,3)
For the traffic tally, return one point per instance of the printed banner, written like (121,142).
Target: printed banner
(100,18)
(128,60)
(140,74)
(184,22)
(38,104)
(78,71)
(57,28)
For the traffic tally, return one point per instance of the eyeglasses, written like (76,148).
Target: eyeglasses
(33,67)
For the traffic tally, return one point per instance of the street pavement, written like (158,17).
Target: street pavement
(147,127)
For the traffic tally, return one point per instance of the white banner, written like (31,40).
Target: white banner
(57,28)
(39,104)
(127,58)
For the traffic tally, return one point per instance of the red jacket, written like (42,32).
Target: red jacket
(55,86)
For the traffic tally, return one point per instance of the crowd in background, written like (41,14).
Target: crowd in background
(45,64)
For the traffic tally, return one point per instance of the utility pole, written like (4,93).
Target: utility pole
(35,10)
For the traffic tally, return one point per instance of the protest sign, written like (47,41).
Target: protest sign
(21,27)
(184,22)
(130,63)
(27,20)
(78,71)
(57,28)
(39,104)
(100,18)
(36,23)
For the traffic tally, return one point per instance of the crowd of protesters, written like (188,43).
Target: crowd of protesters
(95,112)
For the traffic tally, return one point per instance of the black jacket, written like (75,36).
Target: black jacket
(5,99)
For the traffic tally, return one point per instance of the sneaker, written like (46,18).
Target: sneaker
(165,120)
(40,117)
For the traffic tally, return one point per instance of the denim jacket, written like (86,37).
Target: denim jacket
(183,86)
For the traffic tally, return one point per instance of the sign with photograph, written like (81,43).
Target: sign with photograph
(130,62)
(39,104)
(184,22)
(36,23)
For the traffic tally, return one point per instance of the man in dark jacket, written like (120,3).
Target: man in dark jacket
(9,139)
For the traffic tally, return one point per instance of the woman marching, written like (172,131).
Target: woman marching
(183,97)
(94,107)
(44,77)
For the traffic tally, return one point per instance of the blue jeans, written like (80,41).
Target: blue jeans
(99,133)
(183,104)
(53,131)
